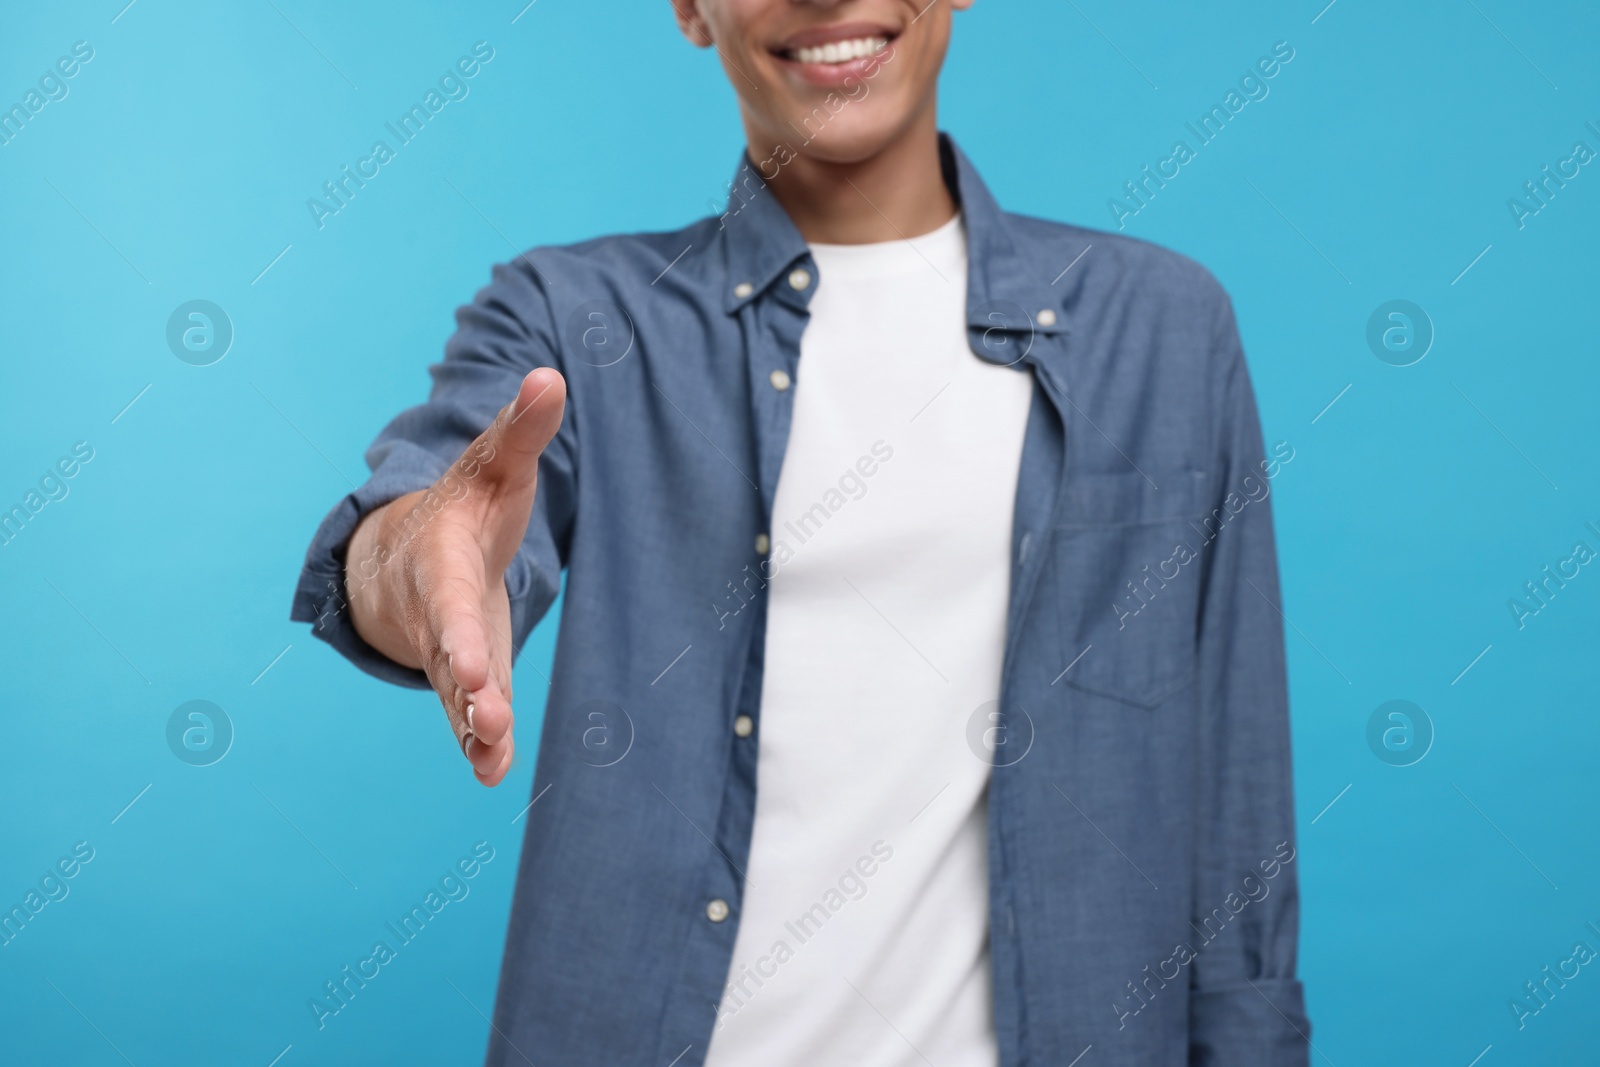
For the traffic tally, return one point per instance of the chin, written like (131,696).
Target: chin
(849,139)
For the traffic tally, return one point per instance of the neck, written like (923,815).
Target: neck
(898,192)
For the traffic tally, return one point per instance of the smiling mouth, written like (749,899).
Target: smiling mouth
(837,52)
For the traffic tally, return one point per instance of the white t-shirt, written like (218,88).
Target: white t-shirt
(864,933)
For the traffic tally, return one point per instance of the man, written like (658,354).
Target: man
(945,526)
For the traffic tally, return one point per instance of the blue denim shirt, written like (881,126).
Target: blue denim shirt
(1142,874)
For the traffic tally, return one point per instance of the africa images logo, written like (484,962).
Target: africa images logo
(452,86)
(1253,88)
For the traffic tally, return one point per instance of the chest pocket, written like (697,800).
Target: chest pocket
(1127,559)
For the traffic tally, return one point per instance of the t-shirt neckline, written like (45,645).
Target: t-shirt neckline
(941,248)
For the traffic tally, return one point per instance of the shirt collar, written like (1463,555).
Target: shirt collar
(1004,298)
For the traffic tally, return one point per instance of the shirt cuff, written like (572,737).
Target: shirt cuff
(1262,1023)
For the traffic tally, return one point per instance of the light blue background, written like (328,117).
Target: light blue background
(1379,167)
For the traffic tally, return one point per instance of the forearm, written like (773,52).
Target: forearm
(372,578)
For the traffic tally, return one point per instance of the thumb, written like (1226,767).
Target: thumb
(522,430)
(507,454)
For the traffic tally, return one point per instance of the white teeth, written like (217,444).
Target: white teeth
(842,51)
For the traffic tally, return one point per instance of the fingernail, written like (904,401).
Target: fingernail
(466,741)
(470,709)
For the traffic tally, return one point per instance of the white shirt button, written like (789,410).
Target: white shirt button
(743,289)
(1047,317)
(799,278)
(743,726)
(717,910)
(763,543)
(780,380)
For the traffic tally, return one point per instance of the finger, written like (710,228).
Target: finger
(490,714)
(495,777)
(462,713)
(487,713)
(485,758)
(535,415)
(509,449)
(483,678)
(464,641)
(449,636)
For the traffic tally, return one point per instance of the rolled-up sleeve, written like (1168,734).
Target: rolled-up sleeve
(1246,1005)
(504,333)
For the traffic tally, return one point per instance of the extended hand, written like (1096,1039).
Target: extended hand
(426,572)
